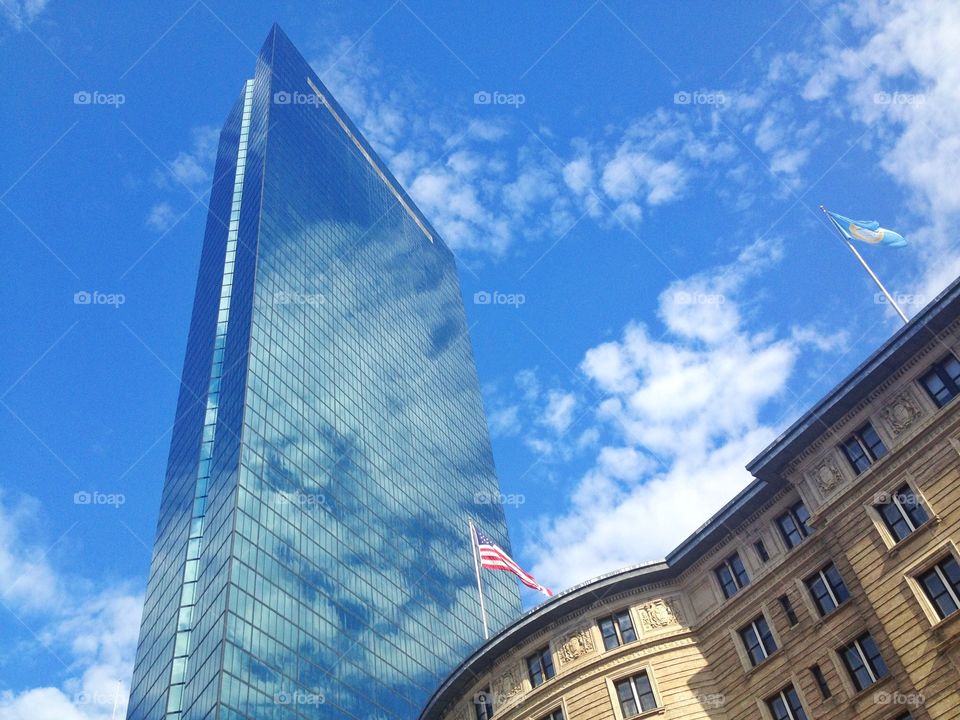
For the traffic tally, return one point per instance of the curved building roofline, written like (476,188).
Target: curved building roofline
(556,608)
(767,470)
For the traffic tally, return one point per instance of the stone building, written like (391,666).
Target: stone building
(828,588)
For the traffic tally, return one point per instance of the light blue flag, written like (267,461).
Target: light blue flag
(868,231)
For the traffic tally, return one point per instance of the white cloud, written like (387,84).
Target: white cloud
(22,12)
(194,168)
(684,416)
(893,67)
(558,413)
(162,216)
(92,631)
(191,170)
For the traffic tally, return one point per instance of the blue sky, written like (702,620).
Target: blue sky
(636,186)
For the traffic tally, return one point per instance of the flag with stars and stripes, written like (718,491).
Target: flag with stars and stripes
(493,557)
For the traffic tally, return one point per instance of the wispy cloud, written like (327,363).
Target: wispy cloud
(89,629)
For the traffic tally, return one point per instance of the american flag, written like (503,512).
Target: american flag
(493,557)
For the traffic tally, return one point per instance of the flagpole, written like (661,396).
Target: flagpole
(866,267)
(476,567)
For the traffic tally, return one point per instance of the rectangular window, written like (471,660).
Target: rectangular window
(761,551)
(903,513)
(540,666)
(555,715)
(617,629)
(788,610)
(785,705)
(941,583)
(793,524)
(483,704)
(863,662)
(635,695)
(758,640)
(732,575)
(863,448)
(942,381)
(827,588)
(821,681)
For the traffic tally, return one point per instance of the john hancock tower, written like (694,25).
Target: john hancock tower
(312,557)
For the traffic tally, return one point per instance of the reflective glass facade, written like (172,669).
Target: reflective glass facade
(312,556)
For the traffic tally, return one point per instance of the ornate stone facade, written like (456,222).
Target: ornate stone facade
(660,615)
(575,645)
(901,412)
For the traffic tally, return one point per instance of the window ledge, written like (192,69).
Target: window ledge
(870,689)
(648,713)
(765,663)
(819,619)
(940,628)
(928,528)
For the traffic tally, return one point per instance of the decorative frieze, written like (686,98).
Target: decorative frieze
(826,476)
(508,685)
(660,615)
(575,645)
(901,412)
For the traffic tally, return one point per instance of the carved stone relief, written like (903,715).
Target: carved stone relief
(575,645)
(901,412)
(660,614)
(827,476)
(508,685)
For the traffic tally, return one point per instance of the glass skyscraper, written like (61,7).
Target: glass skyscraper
(312,557)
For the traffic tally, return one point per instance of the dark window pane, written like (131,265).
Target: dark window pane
(873,442)
(609,633)
(818,589)
(836,583)
(876,662)
(766,637)
(788,528)
(726,581)
(761,551)
(856,455)
(895,521)
(793,700)
(942,585)
(645,692)
(628,705)
(912,506)
(739,571)
(788,610)
(627,633)
(821,681)
(857,668)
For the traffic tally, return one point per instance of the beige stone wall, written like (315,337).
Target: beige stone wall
(688,642)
